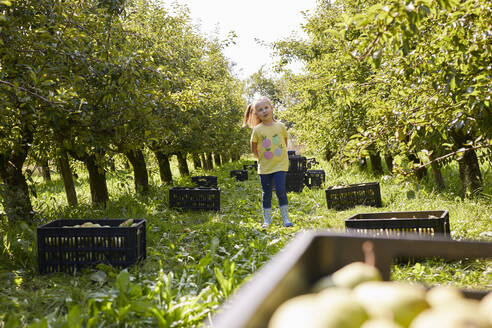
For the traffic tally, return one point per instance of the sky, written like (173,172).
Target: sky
(266,20)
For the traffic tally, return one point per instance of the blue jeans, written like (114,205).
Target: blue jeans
(267,181)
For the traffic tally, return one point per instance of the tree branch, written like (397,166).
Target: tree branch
(461,150)
(31,93)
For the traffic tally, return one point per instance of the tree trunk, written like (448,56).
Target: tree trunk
(421,172)
(210,164)
(14,189)
(436,172)
(377,167)
(204,162)
(217,160)
(182,164)
(362,163)
(126,165)
(328,155)
(140,174)
(470,174)
(45,170)
(112,165)
(197,164)
(66,173)
(164,167)
(388,159)
(97,181)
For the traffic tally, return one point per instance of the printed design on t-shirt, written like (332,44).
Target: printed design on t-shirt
(266,143)
(278,151)
(276,140)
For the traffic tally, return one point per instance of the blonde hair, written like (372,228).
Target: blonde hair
(250,118)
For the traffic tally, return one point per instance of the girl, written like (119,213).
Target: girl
(269,145)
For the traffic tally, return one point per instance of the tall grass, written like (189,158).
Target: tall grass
(197,259)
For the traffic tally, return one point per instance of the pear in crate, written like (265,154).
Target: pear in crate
(126,223)
(486,307)
(298,311)
(349,276)
(380,323)
(443,295)
(90,225)
(398,301)
(332,308)
(464,313)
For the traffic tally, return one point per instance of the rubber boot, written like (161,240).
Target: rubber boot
(267,217)
(285,216)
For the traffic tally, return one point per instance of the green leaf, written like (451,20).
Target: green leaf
(99,276)
(123,281)
(75,317)
(14,322)
(161,321)
(452,83)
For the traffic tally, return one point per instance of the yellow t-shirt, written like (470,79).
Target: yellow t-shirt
(272,150)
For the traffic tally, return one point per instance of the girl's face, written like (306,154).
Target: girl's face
(264,111)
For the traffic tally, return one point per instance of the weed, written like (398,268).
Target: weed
(196,260)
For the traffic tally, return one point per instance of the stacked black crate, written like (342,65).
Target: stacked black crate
(240,175)
(205,181)
(295,176)
(314,178)
(196,199)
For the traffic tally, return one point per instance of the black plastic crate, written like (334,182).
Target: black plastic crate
(343,197)
(240,175)
(297,164)
(310,162)
(313,255)
(205,181)
(400,223)
(294,181)
(197,199)
(253,167)
(291,153)
(62,247)
(314,178)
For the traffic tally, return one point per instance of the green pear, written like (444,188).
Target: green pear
(299,311)
(380,323)
(338,309)
(331,308)
(464,313)
(90,225)
(442,295)
(126,223)
(354,274)
(323,283)
(485,307)
(396,301)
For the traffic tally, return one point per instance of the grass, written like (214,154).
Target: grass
(195,260)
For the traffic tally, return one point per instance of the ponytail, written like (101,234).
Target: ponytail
(250,119)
